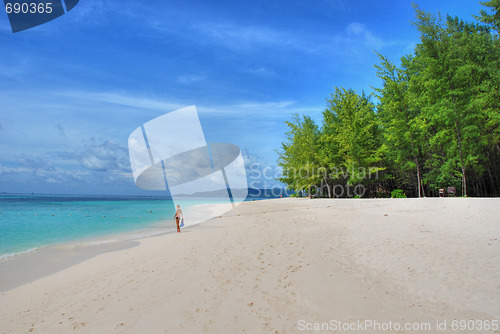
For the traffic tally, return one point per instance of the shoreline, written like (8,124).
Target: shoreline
(30,265)
(66,254)
(266,265)
(143,224)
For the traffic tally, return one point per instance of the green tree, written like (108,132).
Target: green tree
(437,124)
(491,15)
(350,137)
(452,72)
(403,126)
(298,157)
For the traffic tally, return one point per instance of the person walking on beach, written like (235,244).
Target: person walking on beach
(178,216)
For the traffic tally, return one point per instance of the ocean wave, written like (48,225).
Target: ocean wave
(5,256)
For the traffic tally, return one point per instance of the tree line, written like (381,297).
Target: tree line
(435,125)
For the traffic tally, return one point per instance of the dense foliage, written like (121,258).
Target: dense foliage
(436,124)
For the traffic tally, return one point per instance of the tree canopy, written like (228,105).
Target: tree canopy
(436,123)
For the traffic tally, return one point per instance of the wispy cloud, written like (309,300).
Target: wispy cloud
(246,109)
(236,36)
(125,100)
(190,78)
(360,33)
(102,161)
(97,11)
(262,71)
(344,5)
(246,37)
(63,177)
(268,111)
(60,130)
(101,155)
(239,37)
(18,66)
(27,175)
(260,105)
(4,170)
(36,163)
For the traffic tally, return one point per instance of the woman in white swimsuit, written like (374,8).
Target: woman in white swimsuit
(178,216)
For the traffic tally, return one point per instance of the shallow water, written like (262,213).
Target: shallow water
(33,221)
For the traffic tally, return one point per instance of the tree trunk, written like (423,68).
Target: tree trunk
(421,191)
(419,175)
(464,179)
(493,185)
(328,188)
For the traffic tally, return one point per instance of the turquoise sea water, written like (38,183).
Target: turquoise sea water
(32,221)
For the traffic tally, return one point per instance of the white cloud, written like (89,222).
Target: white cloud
(36,170)
(362,34)
(96,11)
(126,100)
(246,109)
(262,71)
(36,163)
(60,130)
(253,38)
(189,79)
(4,170)
(236,36)
(343,5)
(103,155)
(63,177)
(14,66)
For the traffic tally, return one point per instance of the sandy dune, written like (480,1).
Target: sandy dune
(284,266)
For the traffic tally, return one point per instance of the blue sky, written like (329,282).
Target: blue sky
(72,90)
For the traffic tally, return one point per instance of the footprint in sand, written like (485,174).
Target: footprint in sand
(77,325)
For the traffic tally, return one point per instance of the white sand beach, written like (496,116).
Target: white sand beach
(284,266)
